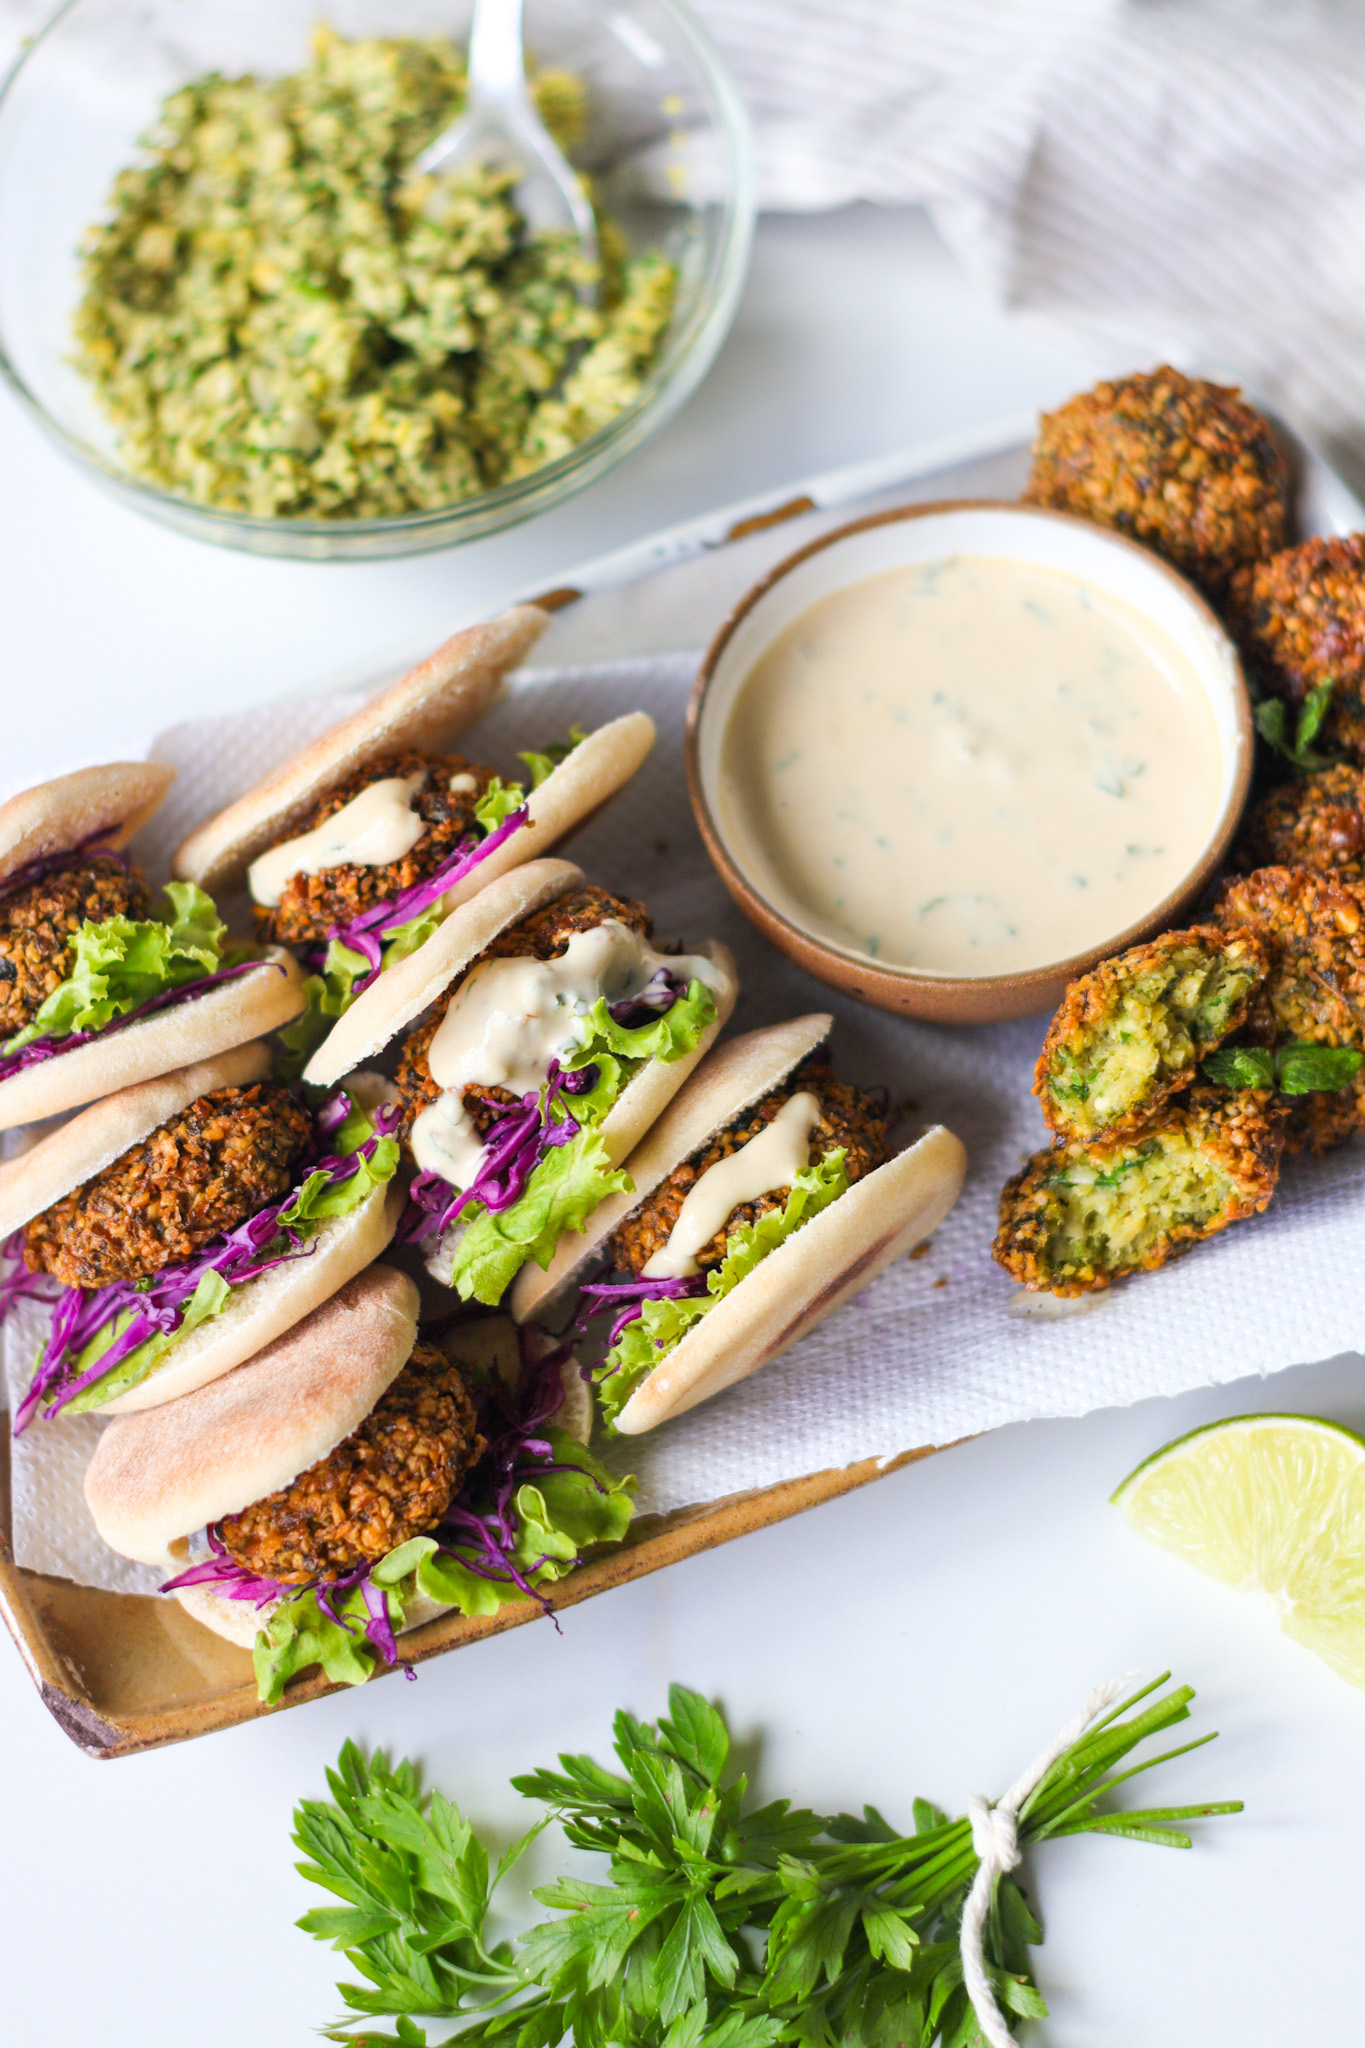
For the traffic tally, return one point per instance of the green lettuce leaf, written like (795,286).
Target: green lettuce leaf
(207,1299)
(560,1195)
(543,765)
(498,802)
(662,1324)
(558,1515)
(668,1037)
(327,996)
(122,962)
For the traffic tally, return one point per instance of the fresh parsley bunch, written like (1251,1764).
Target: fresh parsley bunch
(722,1925)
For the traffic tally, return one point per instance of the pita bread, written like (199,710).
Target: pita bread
(225,1015)
(158,1476)
(726,1082)
(69,1157)
(58,816)
(414,984)
(426,711)
(882,1217)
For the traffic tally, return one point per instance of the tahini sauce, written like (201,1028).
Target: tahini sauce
(374,829)
(969,767)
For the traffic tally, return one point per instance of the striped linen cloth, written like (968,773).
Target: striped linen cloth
(1170,178)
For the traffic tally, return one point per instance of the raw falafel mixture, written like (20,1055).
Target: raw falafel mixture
(1181,465)
(1078,1216)
(542,936)
(1300,621)
(393,1478)
(1316,821)
(849,1120)
(310,905)
(38,922)
(200,1174)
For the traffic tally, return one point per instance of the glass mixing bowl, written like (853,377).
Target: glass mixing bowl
(667,143)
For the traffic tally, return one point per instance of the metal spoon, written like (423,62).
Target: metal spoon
(501,128)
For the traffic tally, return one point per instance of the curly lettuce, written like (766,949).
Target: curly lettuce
(557,1516)
(541,766)
(122,962)
(208,1298)
(662,1324)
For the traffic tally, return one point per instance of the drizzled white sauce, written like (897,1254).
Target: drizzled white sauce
(509,1018)
(463,783)
(373,829)
(969,767)
(768,1162)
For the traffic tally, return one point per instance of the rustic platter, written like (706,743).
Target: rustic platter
(121,1673)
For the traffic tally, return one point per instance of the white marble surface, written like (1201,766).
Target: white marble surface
(923,1636)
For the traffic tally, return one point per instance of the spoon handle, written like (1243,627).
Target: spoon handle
(497,64)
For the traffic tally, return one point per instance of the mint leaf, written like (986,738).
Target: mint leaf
(1296,745)
(1240,1066)
(122,962)
(1307,1069)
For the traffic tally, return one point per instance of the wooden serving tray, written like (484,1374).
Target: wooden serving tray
(120,1673)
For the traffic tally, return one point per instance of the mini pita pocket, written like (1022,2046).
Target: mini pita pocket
(426,711)
(109,802)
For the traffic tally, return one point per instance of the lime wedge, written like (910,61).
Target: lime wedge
(1274,1505)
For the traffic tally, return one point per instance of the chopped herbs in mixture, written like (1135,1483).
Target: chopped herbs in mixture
(279,321)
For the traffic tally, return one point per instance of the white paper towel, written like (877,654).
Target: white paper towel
(934,1350)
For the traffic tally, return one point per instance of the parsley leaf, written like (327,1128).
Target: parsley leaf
(1296,745)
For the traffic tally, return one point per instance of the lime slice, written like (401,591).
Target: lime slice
(1274,1505)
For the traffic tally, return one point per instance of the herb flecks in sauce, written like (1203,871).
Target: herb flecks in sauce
(278,321)
(969,767)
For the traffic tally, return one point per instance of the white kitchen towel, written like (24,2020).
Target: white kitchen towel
(939,1347)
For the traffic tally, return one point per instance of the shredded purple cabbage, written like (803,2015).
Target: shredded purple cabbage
(363,933)
(660,992)
(157,1306)
(513,1148)
(628,1297)
(54,863)
(51,1048)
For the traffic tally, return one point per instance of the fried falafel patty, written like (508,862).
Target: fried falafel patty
(38,923)
(1316,821)
(1179,464)
(544,935)
(202,1173)
(310,905)
(1131,1034)
(390,1480)
(1080,1216)
(1314,926)
(1300,621)
(849,1121)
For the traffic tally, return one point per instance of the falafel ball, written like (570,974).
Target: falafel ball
(849,1121)
(39,921)
(1181,465)
(200,1174)
(1314,927)
(1080,1216)
(310,905)
(1300,621)
(542,936)
(393,1478)
(1130,1034)
(1316,821)
(1325,1118)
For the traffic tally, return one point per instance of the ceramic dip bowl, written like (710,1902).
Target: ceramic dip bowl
(1027,739)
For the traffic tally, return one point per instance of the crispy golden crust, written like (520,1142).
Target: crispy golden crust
(1050,1239)
(542,936)
(202,1173)
(1300,621)
(1103,1006)
(848,1119)
(1324,1119)
(392,1479)
(37,924)
(1314,926)
(310,905)
(1316,821)
(1181,465)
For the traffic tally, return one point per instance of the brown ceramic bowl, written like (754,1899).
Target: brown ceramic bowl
(889,540)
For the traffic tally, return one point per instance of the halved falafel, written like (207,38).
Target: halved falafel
(39,921)
(1080,1216)
(849,1121)
(1299,618)
(1314,927)
(1315,821)
(1184,466)
(393,1478)
(310,906)
(1132,1033)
